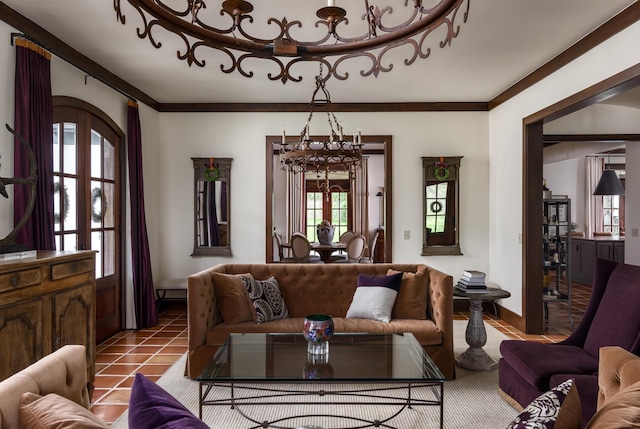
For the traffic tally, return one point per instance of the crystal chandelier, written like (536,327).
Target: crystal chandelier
(321,157)
(332,43)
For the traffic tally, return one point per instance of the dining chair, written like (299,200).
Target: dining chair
(341,254)
(372,248)
(346,236)
(280,243)
(355,250)
(301,249)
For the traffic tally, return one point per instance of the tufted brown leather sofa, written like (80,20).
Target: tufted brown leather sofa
(62,372)
(319,289)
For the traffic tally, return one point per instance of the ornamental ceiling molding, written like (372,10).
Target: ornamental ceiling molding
(377,38)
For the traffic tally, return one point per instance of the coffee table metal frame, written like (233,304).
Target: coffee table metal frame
(326,391)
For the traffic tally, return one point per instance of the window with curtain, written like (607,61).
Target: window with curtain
(613,207)
(335,208)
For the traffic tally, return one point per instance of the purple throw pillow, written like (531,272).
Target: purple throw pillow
(151,407)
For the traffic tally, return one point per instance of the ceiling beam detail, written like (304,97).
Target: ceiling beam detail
(624,19)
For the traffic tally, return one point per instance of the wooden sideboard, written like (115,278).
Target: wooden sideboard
(46,301)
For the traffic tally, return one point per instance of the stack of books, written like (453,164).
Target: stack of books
(472,281)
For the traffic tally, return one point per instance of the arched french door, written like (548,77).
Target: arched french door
(88,165)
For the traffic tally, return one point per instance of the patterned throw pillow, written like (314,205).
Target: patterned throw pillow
(266,298)
(557,408)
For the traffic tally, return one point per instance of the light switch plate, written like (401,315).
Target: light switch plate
(407,235)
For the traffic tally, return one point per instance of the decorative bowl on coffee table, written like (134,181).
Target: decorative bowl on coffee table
(318,330)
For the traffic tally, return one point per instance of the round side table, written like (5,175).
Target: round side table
(475,358)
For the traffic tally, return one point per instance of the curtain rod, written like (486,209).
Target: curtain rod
(613,155)
(31,39)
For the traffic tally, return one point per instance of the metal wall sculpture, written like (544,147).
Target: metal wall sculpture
(9,242)
(335,42)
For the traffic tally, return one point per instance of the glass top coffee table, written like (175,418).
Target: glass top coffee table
(360,369)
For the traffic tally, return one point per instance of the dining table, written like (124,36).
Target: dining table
(326,250)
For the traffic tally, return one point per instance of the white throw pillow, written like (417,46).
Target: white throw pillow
(374,297)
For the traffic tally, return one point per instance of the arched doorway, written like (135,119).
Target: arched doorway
(88,205)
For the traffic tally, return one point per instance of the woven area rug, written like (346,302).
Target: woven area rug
(470,401)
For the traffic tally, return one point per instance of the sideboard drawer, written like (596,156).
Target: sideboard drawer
(18,279)
(68,269)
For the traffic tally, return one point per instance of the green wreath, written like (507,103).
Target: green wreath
(441,172)
(96,194)
(212,174)
(436,207)
(64,210)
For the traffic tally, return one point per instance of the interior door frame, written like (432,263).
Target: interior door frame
(64,101)
(532,321)
(387,152)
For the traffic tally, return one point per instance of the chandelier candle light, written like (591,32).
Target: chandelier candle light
(320,157)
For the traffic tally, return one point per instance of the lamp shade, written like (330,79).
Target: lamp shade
(609,184)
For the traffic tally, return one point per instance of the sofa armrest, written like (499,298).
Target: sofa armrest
(201,310)
(63,372)
(441,304)
(617,369)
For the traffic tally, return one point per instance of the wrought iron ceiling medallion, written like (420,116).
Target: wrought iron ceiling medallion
(379,35)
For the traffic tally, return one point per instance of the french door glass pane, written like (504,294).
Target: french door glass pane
(109,252)
(57,198)
(70,242)
(70,148)
(96,154)
(96,244)
(97,204)
(109,166)
(70,187)
(108,196)
(56,148)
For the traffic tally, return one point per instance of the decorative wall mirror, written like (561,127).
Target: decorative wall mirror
(212,208)
(441,206)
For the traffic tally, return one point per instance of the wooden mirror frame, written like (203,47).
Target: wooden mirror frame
(201,173)
(429,177)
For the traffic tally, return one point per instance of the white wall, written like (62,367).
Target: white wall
(632,205)
(505,131)
(241,136)
(7,82)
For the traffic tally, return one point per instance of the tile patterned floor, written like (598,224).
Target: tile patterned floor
(149,351)
(153,351)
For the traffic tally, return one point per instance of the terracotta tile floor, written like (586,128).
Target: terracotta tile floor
(153,351)
(149,351)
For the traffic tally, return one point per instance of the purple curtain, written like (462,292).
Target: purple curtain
(33,118)
(141,264)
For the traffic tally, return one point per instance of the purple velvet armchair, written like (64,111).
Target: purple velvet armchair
(612,318)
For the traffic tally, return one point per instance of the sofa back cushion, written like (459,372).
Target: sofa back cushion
(318,289)
(617,320)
